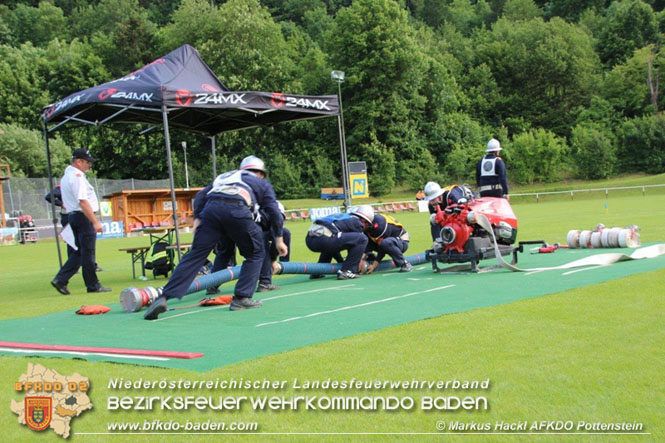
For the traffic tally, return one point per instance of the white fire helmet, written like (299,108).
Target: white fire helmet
(281,208)
(253,163)
(365,212)
(493,146)
(432,191)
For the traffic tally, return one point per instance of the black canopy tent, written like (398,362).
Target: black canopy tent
(179,90)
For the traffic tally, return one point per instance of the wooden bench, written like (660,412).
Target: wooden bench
(138,253)
(183,246)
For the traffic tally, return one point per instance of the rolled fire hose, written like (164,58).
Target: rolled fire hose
(604,238)
(133,299)
(593,260)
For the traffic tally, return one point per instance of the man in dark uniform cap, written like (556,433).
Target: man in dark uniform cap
(79,197)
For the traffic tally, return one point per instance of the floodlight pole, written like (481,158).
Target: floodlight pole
(338,77)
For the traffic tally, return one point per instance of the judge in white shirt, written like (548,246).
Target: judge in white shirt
(79,197)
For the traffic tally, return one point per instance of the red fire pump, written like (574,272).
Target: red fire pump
(463,240)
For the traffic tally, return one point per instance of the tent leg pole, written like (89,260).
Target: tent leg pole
(50,185)
(167,140)
(214,157)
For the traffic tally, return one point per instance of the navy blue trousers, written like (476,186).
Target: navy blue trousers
(84,257)
(393,246)
(435,230)
(265,277)
(225,256)
(492,193)
(330,247)
(226,221)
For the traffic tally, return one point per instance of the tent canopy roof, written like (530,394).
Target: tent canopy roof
(193,97)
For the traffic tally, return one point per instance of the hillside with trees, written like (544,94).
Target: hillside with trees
(570,88)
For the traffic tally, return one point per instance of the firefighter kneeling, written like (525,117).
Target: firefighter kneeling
(386,236)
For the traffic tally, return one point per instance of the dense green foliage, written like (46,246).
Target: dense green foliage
(571,89)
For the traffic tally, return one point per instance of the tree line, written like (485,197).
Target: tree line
(571,89)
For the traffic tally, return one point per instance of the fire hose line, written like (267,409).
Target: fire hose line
(133,299)
(329,268)
(593,260)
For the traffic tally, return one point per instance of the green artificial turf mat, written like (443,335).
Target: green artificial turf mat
(304,312)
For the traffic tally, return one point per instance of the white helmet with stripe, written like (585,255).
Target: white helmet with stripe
(366,212)
(253,163)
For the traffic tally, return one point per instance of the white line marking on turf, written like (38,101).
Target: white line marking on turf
(345,308)
(421,268)
(334,288)
(192,312)
(103,354)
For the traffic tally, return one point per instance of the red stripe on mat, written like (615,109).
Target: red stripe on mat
(120,351)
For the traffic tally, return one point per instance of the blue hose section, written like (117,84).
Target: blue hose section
(226,275)
(213,280)
(329,268)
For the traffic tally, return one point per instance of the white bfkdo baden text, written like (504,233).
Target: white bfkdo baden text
(328,383)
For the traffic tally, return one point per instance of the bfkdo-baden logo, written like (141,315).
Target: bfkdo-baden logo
(51,399)
(38,412)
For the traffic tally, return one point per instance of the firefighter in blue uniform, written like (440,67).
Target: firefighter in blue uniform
(439,198)
(270,260)
(334,233)
(225,254)
(434,196)
(225,251)
(229,214)
(491,172)
(386,236)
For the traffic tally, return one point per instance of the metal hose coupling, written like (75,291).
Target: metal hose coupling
(133,299)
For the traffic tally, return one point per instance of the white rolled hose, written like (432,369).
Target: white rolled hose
(593,260)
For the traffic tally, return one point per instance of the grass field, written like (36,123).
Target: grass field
(594,354)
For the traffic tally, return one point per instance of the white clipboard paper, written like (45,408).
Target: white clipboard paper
(67,235)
